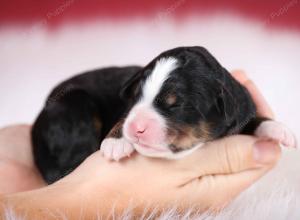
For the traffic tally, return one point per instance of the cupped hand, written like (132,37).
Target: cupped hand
(17,169)
(206,179)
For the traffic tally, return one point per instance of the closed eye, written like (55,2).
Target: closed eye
(174,107)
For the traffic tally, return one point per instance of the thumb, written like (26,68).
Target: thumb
(232,155)
(222,169)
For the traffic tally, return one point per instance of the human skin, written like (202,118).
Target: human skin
(207,179)
(17,169)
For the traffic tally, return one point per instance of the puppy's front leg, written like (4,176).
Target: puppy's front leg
(115,146)
(276,131)
(271,130)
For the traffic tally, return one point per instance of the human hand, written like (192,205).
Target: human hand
(263,109)
(17,169)
(207,179)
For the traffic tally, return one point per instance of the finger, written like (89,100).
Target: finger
(240,76)
(15,144)
(263,108)
(18,177)
(231,155)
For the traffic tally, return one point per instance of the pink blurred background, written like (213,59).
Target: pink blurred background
(44,42)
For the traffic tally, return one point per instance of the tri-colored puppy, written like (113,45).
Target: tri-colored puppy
(169,108)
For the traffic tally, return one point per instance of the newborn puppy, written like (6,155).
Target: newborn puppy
(183,99)
(169,108)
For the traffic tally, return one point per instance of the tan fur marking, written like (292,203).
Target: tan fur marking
(116,131)
(97,124)
(187,137)
(205,131)
(171,99)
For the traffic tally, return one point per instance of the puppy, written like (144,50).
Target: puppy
(182,99)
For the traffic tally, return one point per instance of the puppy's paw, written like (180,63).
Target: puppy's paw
(116,148)
(276,131)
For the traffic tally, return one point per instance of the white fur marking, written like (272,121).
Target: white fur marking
(160,73)
(168,154)
(151,88)
(116,148)
(276,131)
(184,153)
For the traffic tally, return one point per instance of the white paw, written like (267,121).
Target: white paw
(116,148)
(276,131)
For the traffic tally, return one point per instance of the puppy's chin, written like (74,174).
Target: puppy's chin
(164,152)
(150,151)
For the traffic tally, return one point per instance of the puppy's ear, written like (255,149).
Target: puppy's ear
(131,87)
(226,106)
(226,100)
(206,56)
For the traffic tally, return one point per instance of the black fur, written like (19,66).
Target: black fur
(66,132)
(81,111)
(208,94)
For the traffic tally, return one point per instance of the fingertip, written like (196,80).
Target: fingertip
(240,76)
(266,152)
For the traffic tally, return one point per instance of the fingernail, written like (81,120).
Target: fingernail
(265,151)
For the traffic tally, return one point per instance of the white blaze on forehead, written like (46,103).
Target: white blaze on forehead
(143,108)
(159,75)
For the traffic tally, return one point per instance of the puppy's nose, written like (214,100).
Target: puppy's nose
(138,128)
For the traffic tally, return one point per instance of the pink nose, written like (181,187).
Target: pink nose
(138,129)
